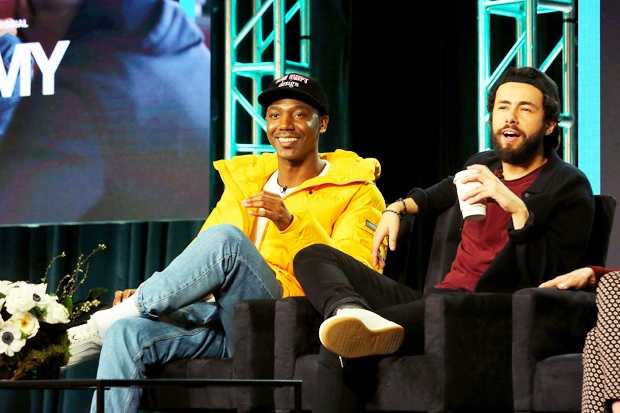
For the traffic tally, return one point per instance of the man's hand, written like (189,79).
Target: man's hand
(271,206)
(578,279)
(388,227)
(495,191)
(122,296)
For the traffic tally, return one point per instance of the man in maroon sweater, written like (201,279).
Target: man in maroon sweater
(539,215)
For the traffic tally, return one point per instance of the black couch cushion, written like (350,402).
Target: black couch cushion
(557,384)
(182,398)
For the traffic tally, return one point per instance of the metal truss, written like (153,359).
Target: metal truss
(262,43)
(525,52)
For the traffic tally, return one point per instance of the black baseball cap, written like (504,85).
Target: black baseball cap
(296,86)
(531,76)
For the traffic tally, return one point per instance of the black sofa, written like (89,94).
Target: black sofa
(467,363)
(253,359)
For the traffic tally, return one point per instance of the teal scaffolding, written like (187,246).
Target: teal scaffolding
(265,31)
(524,52)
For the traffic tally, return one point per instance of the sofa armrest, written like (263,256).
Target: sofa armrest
(468,339)
(546,322)
(549,322)
(253,346)
(296,332)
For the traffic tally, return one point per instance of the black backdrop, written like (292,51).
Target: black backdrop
(413,95)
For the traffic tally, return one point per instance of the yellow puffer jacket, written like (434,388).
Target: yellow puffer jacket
(340,209)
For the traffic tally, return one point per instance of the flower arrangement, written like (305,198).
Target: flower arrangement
(33,323)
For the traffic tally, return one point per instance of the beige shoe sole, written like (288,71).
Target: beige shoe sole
(348,337)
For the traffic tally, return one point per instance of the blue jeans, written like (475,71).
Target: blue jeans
(222,261)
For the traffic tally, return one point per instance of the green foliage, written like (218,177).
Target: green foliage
(68,302)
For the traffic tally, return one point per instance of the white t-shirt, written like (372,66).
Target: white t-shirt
(273,187)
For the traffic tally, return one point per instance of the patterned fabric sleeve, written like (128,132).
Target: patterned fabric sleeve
(601,355)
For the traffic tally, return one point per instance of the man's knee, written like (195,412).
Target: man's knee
(220,236)
(312,253)
(222,232)
(305,261)
(126,333)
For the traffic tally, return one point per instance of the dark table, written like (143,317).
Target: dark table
(102,385)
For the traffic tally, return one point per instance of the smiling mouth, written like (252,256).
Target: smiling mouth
(287,140)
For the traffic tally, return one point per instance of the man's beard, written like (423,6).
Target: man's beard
(522,154)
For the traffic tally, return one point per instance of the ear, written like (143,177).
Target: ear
(550,126)
(324,120)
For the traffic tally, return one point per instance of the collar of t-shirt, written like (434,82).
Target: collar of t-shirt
(519,185)
(273,187)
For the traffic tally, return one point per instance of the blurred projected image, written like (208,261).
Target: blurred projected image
(104,111)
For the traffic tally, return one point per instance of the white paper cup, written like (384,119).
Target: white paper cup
(473,212)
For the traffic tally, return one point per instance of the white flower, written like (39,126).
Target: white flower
(39,289)
(4,286)
(27,323)
(19,300)
(40,297)
(56,313)
(20,284)
(11,340)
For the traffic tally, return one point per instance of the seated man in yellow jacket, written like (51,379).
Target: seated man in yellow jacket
(273,206)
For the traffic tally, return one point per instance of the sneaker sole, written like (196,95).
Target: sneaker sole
(348,337)
(80,358)
(83,352)
(84,348)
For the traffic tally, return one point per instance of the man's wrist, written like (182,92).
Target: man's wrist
(519,218)
(404,206)
(391,211)
(290,223)
(592,278)
(397,207)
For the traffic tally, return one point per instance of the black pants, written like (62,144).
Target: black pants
(330,278)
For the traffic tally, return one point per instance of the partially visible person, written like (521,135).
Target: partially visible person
(125,136)
(601,354)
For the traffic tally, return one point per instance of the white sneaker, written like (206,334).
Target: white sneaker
(355,332)
(84,343)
